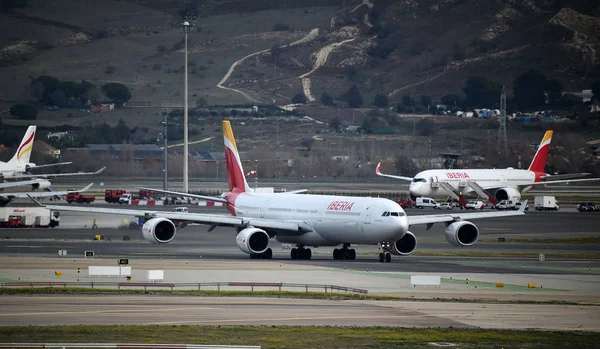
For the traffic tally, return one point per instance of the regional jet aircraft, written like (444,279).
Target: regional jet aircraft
(492,184)
(302,219)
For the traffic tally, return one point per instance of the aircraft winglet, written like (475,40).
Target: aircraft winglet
(100,170)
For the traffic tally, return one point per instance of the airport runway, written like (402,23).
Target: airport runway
(195,243)
(161,310)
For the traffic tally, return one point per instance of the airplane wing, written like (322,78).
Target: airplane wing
(551,178)
(378,171)
(51,165)
(195,196)
(41,194)
(198,218)
(452,217)
(18,184)
(52,175)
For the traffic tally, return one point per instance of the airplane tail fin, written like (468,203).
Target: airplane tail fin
(24,150)
(539,160)
(235,172)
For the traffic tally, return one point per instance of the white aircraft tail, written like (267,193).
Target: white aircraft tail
(24,150)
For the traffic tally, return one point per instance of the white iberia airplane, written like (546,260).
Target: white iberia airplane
(303,220)
(19,166)
(493,184)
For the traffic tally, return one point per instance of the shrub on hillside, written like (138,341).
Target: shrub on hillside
(24,111)
(118,93)
(299,98)
(380,100)
(326,99)
(280,27)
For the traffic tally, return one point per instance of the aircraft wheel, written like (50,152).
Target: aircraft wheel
(388,257)
(381,257)
(352,254)
(306,253)
(255,256)
(294,253)
(336,254)
(268,254)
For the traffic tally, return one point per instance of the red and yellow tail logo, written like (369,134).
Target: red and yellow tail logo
(539,160)
(24,151)
(235,172)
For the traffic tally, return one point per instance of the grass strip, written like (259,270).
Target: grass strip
(567,241)
(290,337)
(27,291)
(548,255)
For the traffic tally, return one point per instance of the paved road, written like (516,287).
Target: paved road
(160,310)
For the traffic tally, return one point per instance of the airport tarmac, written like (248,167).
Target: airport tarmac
(161,310)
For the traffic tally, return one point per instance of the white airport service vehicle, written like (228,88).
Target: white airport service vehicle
(507,204)
(425,202)
(20,217)
(494,185)
(546,203)
(475,205)
(302,219)
(125,199)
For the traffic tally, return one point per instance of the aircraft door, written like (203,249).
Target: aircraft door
(368,215)
(434,182)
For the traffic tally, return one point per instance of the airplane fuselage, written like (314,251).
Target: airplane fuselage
(329,220)
(424,183)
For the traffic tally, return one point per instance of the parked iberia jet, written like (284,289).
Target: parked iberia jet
(492,184)
(302,219)
(19,166)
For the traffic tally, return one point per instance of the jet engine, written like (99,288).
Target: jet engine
(462,234)
(29,166)
(159,230)
(406,245)
(507,194)
(252,240)
(41,185)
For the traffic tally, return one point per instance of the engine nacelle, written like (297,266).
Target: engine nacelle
(507,194)
(252,240)
(406,245)
(41,185)
(159,230)
(462,234)
(29,166)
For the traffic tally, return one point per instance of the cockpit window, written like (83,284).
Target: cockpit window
(416,180)
(395,214)
(385,214)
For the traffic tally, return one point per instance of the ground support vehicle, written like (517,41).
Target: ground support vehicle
(18,217)
(113,195)
(81,199)
(546,203)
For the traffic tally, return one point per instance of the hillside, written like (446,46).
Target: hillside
(263,51)
(395,47)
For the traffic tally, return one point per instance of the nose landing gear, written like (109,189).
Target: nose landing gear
(385,255)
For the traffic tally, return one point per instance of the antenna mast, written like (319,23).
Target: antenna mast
(502,146)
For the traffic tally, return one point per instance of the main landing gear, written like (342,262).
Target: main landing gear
(344,253)
(301,253)
(268,254)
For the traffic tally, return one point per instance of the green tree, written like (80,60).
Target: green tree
(451,100)
(118,93)
(367,125)
(554,89)
(326,99)
(596,90)
(405,166)
(425,100)
(24,111)
(408,101)
(354,98)
(529,89)
(299,98)
(380,100)
(481,92)
(335,123)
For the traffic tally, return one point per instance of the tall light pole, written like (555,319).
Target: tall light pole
(165,156)
(186,25)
